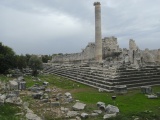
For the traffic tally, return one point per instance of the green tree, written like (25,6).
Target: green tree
(28,56)
(45,58)
(7,58)
(21,61)
(35,63)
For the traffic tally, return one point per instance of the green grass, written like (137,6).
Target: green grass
(30,82)
(8,111)
(134,103)
(131,104)
(61,82)
(4,78)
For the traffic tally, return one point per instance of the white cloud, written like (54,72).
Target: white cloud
(40,29)
(47,27)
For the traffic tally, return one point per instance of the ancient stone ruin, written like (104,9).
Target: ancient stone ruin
(104,64)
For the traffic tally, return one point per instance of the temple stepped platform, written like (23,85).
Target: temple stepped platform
(106,79)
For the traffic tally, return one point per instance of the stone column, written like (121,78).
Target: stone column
(98,36)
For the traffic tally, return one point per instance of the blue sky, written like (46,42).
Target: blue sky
(66,26)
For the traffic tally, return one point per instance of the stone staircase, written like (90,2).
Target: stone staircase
(92,76)
(106,79)
(133,78)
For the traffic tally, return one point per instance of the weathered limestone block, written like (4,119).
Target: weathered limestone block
(64,109)
(14,100)
(110,43)
(110,109)
(13,85)
(148,57)
(152,96)
(101,105)
(79,106)
(97,111)
(32,116)
(146,89)
(72,113)
(84,115)
(132,45)
(132,50)
(25,105)
(158,56)
(94,114)
(67,94)
(2,98)
(120,89)
(55,104)
(106,116)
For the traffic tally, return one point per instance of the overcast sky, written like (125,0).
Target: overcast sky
(66,26)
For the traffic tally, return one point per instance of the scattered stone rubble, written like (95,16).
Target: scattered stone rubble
(29,113)
(147,90)
(56,103)
(51,100)
(10,93)
(110,110)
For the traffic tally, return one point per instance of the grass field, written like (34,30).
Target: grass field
(131,105)
(8,111)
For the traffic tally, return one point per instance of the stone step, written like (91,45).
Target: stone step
(144,74)
(92,84)
(138,72)
(86,79)
(137,78)
(98,80)
(137,81)
(107,78)
(143,84)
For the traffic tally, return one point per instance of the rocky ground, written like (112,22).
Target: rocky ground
(56,99)
(46,101)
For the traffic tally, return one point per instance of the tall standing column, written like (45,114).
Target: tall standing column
(98,36)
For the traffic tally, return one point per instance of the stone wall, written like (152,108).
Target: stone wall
(148,57)
(110,43)
(132,50)
(158,56)
(113,53)
(86,55)
(110,47)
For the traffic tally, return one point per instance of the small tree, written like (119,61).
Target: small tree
(45,58)
(35,63)
(21,61)
(7,58)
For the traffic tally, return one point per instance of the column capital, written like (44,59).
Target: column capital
(96,3)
